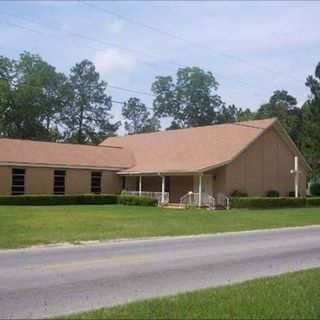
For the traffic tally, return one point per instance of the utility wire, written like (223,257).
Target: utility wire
(196,44)
(123,48)
(104,51)
(81,45)
(80,35)
(132,91)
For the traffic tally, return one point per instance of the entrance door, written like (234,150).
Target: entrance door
(207,183)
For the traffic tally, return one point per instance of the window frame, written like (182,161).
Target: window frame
(96,182)
(59,176)
(21,175)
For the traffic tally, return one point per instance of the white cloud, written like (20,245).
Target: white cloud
(112,61)
(114,27)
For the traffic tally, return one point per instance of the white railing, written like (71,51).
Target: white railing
(208,200)
(157,195)
(223,201)
(192,199)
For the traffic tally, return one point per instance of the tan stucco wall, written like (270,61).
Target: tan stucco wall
(78,181)
(218,180)
(38,181)
(5,180)
(111,182)
(264,166)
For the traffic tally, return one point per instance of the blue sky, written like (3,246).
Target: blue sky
(283,37)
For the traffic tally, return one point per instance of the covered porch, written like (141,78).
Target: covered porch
(174,188)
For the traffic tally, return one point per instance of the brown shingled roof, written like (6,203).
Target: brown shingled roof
(27,152)
(189,150)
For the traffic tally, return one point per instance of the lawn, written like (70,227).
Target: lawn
(22,226)
(289,296)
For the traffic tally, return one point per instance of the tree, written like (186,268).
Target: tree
(87,114)
(234,114)
(30,95)
(284,106)
(190,100)
(137,117)
(311,120)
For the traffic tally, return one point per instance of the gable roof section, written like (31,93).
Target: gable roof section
(189,150)
(50,154)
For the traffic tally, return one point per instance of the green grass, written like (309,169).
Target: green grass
(289,296)
(22,226)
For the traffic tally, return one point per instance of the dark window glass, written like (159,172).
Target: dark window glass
(95,174)
(18,171)
(17,183)
(59,182)
(59,173)
(96,182)
(18,189)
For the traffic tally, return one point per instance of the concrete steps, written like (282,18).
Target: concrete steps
(173,206)
(178,206)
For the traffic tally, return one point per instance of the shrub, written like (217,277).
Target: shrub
(272,194)
(124,192)
(291,194)
(137,201)
(49,200)
(313,202)
(239,193)
(264,202)
(315,189)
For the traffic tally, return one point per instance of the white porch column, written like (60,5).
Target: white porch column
(163,189)
(200,189)
(140,185)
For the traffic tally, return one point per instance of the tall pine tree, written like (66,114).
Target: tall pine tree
(87,114)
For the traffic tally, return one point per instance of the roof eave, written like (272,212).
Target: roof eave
(49,165)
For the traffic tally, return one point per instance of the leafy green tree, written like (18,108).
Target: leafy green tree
(190,100)
(30,97)
(137,117)
(233,114)
(284,106)
(311,120)
(87,113)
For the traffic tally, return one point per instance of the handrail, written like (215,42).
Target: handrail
(223,201)
(192,199)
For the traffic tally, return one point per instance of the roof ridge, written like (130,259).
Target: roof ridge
(192,128)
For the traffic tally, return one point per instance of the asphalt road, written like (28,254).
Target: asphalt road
(52,281)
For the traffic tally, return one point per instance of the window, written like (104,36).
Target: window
(17,186)
(96,182)
(59,182)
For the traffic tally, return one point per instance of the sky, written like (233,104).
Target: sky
(252,48)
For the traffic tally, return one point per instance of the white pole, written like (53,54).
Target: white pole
(163,189)
(296,177)
(200,190)
(140,185)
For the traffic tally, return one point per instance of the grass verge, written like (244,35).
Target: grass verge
(22,226)
(289,296)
